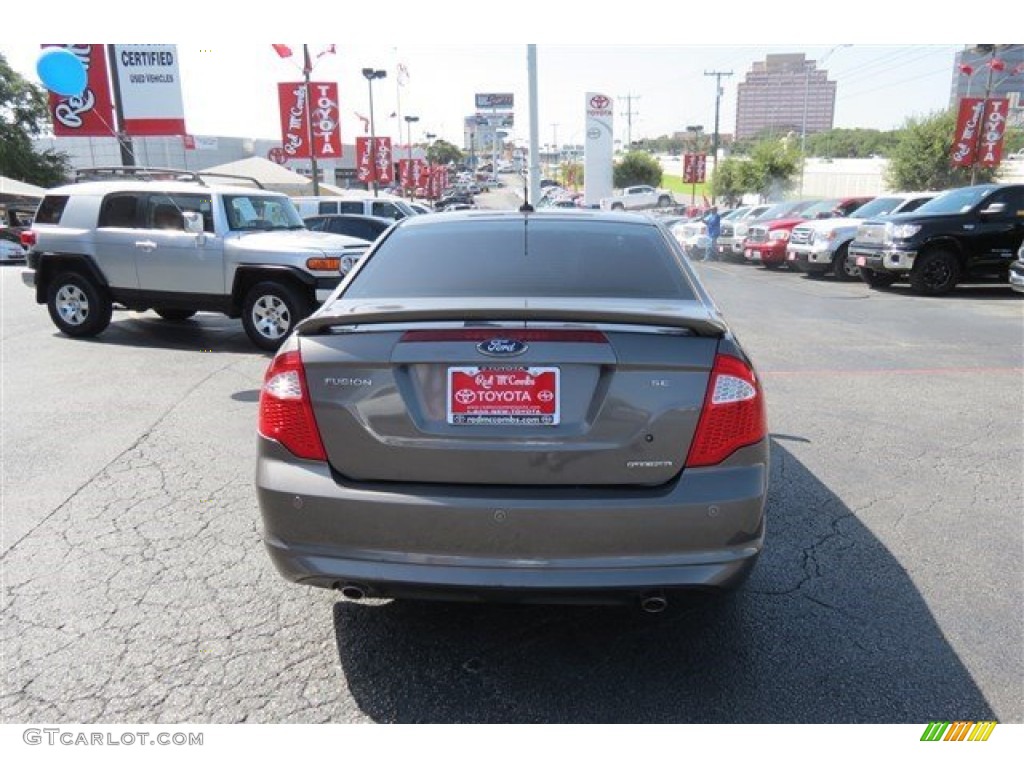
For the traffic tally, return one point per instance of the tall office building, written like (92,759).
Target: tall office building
(784,93)
(971,77)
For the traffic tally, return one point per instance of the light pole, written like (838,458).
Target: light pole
(409,120)
(803,122)
(372,74)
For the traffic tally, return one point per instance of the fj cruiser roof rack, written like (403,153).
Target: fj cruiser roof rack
(117,172)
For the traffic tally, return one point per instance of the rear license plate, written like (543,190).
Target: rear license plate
(503,395)
(791,256)
(746,253)
(861,261)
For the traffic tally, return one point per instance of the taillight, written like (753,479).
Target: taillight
(286,414)
(733,414)
(28,238)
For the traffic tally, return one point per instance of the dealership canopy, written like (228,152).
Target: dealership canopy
(11,189)
(270,175)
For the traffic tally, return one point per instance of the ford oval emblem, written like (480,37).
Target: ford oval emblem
(502,347)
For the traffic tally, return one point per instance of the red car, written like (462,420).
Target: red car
(767,237)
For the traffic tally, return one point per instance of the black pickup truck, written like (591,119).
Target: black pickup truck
(966,233)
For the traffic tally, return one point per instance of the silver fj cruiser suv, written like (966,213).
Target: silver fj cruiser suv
(167,240)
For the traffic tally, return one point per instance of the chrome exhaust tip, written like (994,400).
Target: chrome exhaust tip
(353,591)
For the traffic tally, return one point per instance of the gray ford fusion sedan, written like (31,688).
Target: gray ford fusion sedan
(541,407)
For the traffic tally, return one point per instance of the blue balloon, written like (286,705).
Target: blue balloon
(61,71)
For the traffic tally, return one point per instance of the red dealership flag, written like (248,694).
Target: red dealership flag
(92,112)
(980,127)
(993,129)
(965,140)
(374,163)
(693,167)
(322,109)
(282,50)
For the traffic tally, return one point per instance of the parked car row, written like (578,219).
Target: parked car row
(933,240)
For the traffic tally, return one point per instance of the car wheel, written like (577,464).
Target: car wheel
(174,314)
(617,207)
(664,201)
(271,312)
(935,273)
(876,279)
(78,307)
(842,269)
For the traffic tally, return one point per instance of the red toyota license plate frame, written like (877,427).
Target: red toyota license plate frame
(515,395)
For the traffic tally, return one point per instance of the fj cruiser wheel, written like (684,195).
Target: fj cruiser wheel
(935,273)
(78,307)
(664,201)
(876,279)
(174,314)
(842,269)
(271,312)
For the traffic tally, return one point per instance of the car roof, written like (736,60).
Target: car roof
(155,185)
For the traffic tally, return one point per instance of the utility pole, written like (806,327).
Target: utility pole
(714,141)
(628,114)
(554,147)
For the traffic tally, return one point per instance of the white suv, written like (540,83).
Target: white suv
(178,247)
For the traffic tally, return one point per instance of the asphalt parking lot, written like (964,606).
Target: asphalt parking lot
(136,587)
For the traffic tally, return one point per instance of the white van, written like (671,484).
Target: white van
(385,206)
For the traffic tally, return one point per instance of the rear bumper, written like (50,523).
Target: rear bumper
(705,530)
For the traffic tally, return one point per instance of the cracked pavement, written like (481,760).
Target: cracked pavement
(135,587)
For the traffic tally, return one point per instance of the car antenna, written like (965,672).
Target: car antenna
(526,207)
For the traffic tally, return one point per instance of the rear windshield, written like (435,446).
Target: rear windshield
(51,209)
(516,258)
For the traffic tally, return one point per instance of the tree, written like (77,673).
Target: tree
(442,152)
(921,158)
(728,181)
(772,169)
(637,168)
(24,115)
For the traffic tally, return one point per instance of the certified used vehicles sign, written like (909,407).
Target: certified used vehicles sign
(503,395)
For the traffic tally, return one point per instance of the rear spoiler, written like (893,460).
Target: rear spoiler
(691,316)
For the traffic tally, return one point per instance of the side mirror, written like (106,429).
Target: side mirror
(993,209)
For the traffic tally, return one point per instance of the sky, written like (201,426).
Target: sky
(657,53)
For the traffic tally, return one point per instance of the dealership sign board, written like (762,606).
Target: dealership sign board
(91,113)
(598,148)
(150,90)
(504,101)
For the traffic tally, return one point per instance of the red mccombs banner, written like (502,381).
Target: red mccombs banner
(376,165)
(323,111)
(92,112)
(980,127)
